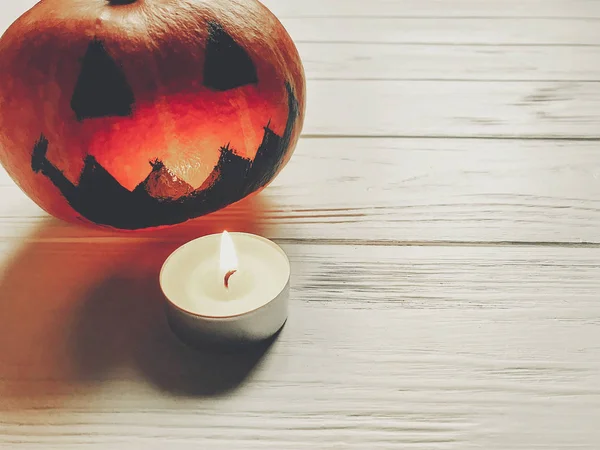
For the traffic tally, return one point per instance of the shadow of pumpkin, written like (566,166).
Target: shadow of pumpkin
(78,304)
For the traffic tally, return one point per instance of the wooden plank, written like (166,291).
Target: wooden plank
(453,109)
(339,61)
(386,347)
(454,31)
(435,8)
(389,190)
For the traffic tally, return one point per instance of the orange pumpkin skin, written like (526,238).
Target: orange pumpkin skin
(141,114)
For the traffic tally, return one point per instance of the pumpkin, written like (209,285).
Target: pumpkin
(138,114)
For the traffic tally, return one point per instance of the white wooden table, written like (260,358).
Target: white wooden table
(442,214)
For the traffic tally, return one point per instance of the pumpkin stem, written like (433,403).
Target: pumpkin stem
(120,2)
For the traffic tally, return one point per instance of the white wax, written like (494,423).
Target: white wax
(192,279)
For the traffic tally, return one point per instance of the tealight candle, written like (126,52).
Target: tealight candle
(227,288)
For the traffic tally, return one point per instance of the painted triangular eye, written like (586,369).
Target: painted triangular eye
(227,65)
(102,89)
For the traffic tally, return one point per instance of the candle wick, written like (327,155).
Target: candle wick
(228,276)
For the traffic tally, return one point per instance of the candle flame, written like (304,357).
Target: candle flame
(229,260)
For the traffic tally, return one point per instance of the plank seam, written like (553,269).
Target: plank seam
(329,242)
(457,137)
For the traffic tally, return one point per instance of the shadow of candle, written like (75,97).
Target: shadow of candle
(79,304)
(184,370)
(123,322)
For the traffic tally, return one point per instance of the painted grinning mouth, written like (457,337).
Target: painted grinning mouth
(163,199)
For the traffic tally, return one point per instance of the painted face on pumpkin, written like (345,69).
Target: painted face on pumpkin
(107,191)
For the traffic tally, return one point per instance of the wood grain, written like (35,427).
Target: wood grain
(428,348)
(562,9)
(453,109)
(399,190)
(343,61)
(445,31)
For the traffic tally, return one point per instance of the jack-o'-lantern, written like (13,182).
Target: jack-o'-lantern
(136,114)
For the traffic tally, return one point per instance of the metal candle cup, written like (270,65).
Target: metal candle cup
(230,289)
